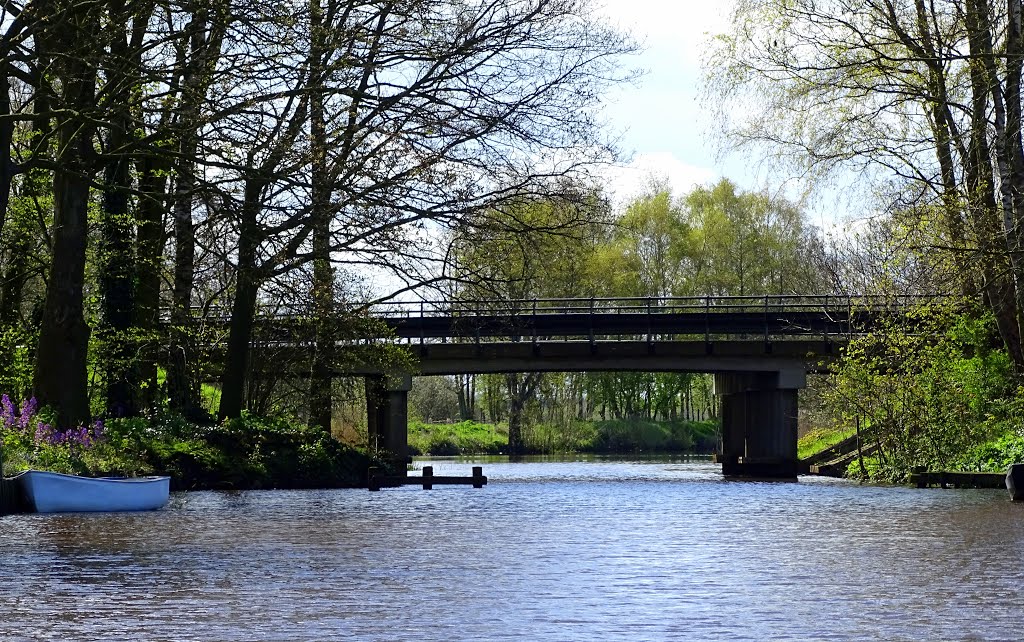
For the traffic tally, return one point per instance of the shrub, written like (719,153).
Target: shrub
(248,452)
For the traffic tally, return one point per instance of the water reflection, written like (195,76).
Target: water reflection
(589,549)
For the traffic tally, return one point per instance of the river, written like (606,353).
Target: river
(572,550)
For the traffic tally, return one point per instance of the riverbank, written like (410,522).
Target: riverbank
(242,454)
(613,436)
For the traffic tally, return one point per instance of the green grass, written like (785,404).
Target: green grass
(820,439)
(209,395)
(615,436)
(463,438)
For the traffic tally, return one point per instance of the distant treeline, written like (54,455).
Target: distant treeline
(616,436)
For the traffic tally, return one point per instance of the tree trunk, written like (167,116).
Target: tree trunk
(519,392)
(116,280)
(463,404)
(205,46)
(981,49)
(982,207)
(7,167)
(149,257)
(181,389)
(61,374)
(243,313)
(1015,150)
(116,263)
(320,397)
(35,185)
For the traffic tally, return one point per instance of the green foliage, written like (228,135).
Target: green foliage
(926,390)
(663,436)
(31,439)
(466,437)
(715,240)
(257,452)
(996,455)
(16,355)
(615,436)
(434,399)
(16,452)
(874,468)
(243,453)
(566,437)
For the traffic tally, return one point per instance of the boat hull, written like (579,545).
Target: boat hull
(48,492)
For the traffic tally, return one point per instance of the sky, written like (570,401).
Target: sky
(666,133)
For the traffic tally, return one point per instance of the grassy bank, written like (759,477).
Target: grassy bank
(464,438)
(619,436)
(245,453)
(819,439)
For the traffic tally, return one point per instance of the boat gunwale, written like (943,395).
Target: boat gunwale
(130,480)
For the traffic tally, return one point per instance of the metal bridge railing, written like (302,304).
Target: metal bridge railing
(649,305)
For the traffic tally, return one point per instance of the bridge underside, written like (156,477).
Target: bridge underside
(616,356)
(757,384)
(756,380)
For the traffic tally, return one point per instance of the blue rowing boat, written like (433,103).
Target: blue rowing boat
(48,492)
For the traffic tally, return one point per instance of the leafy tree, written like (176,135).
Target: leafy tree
(714,241)
(922,100)
(534,249)
(745,243)
(922,395)
(343,134)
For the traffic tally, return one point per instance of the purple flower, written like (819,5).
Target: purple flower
(44,433)
(79,436)
(7,411)
(28,412)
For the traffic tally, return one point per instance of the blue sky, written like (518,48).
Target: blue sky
(664,126)
(664,123)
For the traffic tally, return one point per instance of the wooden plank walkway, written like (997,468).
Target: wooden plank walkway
(946,479)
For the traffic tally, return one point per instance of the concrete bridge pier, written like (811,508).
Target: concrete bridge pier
(759,422)
(387,413)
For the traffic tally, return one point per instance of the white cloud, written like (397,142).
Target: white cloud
(628,181)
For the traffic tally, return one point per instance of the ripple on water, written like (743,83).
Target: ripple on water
(556,551)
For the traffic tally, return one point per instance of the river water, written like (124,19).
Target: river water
(585,550)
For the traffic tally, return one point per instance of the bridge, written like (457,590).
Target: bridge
(759,350)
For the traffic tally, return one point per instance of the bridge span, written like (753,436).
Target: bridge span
(758,388)
(759,349)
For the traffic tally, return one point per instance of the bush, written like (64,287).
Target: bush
(578,436)
(666,436)
(243,453)
(997,455)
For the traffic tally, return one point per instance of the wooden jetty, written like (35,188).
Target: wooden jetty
(377,480)
(955,479)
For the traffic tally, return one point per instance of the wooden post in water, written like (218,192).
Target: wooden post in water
(373,478)
(428,477)
(478,476)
